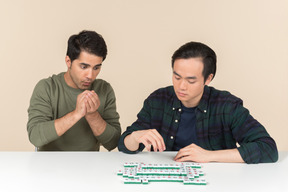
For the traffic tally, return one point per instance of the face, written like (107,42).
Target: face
(188,80)
(82,71)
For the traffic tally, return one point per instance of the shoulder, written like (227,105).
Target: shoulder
(220,96)
(220,101)
(48,83)
(165,92)
(100,85)
(162,95)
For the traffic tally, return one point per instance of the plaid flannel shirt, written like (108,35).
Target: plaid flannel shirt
(221,123)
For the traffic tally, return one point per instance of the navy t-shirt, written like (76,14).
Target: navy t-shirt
(186,133)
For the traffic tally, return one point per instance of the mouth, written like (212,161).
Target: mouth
(86,84)
(181,94)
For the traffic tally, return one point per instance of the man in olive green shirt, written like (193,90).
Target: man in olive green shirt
(74,111)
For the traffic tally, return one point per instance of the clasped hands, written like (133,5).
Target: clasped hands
(87,103)
(151,137)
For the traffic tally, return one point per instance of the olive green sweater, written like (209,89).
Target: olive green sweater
(52,98)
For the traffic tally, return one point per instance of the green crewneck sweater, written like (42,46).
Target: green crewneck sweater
(52,98)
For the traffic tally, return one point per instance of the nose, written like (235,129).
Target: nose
(89,74)
(183,84)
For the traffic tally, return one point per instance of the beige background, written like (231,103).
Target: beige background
(250,38)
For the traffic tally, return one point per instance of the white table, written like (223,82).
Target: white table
(96,171)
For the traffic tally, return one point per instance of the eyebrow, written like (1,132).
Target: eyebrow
(86,64)
(192,77)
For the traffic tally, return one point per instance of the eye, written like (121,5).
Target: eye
(83,66)
(96,68)
(191,82)
(177,78)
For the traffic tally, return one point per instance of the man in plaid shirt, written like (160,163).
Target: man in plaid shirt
(200,122)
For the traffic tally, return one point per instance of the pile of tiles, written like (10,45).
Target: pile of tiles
(141,173)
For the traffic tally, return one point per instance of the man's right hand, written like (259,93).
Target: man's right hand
(80,109)
(64,123)
(150,137)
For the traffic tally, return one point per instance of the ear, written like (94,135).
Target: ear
(68,61)
(209,79)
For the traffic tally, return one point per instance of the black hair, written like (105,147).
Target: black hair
(88,41)
(194,50)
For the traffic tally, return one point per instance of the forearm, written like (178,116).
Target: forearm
(64,123)
(41,133)
(256,145)
(96,123)
(227,156)
(122,143)
(130,143)
(107,132)
(264,150)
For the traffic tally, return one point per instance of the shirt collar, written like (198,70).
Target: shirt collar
(203,104)
(176,105)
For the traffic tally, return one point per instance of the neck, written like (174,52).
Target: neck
(190,104)
(68,80)
(194,102)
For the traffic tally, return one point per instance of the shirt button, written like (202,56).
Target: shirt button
(173,108)
(180,110)
(176,121)
(171,137)
(205,111)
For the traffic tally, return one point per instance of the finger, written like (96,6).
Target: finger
(148,148)
(154,144)
(178,155)
(158,140)
(89,103)
(81,102)
(147,140)
(147,145)
(94,99)
(88,107)
(81,96)
(92,96)
(84,93)
(82,107)
(154,140)
(161,141)
(183,159)
(181,153)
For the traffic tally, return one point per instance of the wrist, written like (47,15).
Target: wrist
(76,116)
(210,156)
(92,115)
(133,137)
(130,142)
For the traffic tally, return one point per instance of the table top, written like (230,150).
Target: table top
(97,171)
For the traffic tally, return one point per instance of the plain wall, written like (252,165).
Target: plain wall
(249,37)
